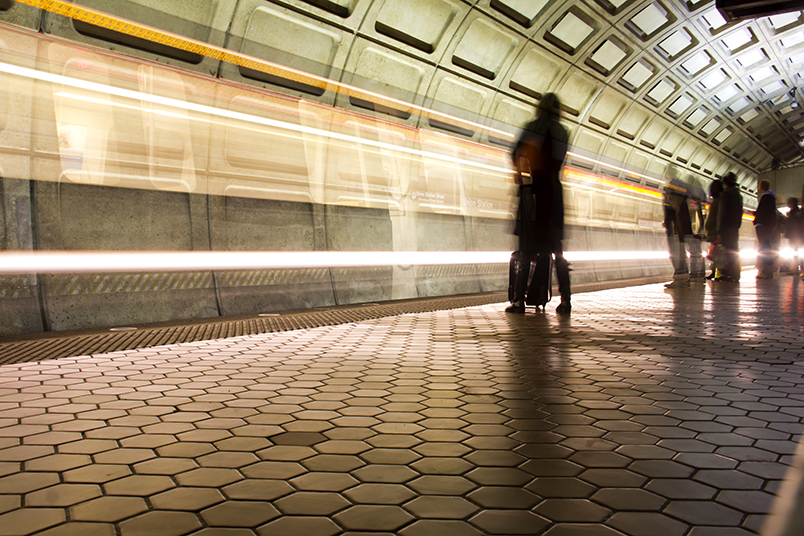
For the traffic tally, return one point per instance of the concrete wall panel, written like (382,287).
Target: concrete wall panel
(589,140)
(98,218)
(618,152)
(360,229)
(285,32)
(125,308)
(204,21)
(485,48)
(285,37)
(670,144)
(607,108)
(20,14)
(577,92)
(537,72)
(375,68)
(525,12)
(461,98)
(685,151)
(631,124)
(421,24)
(344,13)
(443,232)
(244,224)
(20,312)
(654,133)
(639,159)
(16,100)
(512,112)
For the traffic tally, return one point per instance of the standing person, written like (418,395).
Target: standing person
(729,220)
(765,225)
(680,237)
(539,153)
(794,232)
(715,189)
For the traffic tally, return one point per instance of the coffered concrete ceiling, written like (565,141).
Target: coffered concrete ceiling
(735,85)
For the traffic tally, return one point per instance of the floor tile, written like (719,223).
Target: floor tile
(646,412)
(108,509)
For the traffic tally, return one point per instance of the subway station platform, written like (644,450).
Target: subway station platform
(646,412)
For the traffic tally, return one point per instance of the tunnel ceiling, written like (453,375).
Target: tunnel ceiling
(656,78)
(724,82)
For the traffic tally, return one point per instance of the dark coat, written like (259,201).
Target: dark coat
(730,214)
(711,219)
(540,221)
(765,214)
(676,213)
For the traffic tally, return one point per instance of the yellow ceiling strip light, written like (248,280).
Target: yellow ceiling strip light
(574,174)
(135,29)
(612,166)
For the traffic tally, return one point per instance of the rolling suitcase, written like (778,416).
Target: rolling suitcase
(540,287)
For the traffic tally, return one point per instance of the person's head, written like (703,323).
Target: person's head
(763,186)
(715,187)
(792,203)
(730,180)
(549,105)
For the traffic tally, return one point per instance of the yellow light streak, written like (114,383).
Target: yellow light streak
(612,166)
(586,177)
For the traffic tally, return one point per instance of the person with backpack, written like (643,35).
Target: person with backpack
(539,157)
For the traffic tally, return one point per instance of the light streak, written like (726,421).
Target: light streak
(585,176)
(51,262)
(219,112)
(612,166)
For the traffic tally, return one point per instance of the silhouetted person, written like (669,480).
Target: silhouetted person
(765,225)
(730,218)
(715,189)
(539,156)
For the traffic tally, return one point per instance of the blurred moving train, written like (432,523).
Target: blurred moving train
(106,152)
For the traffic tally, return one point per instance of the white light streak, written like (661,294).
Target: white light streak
(219,112)
(50,262)
(264,121)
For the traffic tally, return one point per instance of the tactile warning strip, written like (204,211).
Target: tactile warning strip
(48,346)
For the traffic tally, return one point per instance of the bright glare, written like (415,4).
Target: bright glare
(171,261)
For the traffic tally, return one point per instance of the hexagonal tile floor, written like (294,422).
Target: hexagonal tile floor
(647,411)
